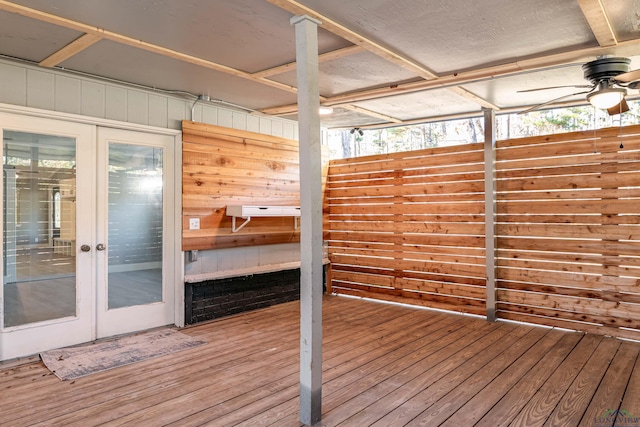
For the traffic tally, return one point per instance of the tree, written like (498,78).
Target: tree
(470,130)
(346,143)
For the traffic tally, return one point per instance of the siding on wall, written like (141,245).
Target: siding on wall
(50,89)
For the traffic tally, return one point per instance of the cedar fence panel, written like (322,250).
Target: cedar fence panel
(568,231)
(409,227)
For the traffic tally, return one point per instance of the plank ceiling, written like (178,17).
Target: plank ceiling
(382,61)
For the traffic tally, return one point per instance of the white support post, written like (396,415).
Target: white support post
(306,29)
(490,209)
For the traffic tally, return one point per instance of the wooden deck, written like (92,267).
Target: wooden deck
(384,365)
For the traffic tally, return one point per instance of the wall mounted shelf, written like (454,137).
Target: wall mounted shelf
(246,212)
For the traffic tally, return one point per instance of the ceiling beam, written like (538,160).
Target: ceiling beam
(364,111)
(93,34)
(473,97)
(597,18)
(76,46)
(129,41)
(328,56)
(340,30)
(625,48)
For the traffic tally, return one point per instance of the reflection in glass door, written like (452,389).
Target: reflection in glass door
(135,225)
(39,227)
(88,233)
(134,251)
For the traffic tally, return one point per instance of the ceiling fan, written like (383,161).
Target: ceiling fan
(610,78)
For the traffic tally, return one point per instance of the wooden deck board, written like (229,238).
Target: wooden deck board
(611,389)
(573,404)
(383,365)
(505,410)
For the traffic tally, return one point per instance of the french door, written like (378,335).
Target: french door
(134,214)
(85,247)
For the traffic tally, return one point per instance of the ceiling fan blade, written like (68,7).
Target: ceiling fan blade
(535,107)
(629,77)
(557,87)
(622,107)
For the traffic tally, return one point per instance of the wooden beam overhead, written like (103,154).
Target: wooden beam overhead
(129,41)
(76,46)
(625,48)
(328,56)
(597,18)
(473,97)
(358,39)
(364,111)
(355,38)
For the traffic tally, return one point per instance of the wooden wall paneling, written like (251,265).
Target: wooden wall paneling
(224,166)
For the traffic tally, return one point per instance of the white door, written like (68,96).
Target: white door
(48,289)
(134,250)
(87,239)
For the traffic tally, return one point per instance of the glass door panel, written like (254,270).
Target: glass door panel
(135,233)
(48,214)
(134,253)
(39,227)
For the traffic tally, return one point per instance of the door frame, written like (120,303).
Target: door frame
(176,229)
(116,321)
(23,339)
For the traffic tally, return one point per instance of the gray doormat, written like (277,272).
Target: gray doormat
(75,362)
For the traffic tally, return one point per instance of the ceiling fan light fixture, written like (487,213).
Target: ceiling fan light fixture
(607,97)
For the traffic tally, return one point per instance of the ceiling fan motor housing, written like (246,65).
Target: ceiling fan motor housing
(605,69)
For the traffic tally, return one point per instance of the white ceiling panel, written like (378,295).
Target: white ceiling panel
(32,40)
(438,102)
(132,65)
(250,35)
(343,118)
(353,72)
(505,91)
(453,35)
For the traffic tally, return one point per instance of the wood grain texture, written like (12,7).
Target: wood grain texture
(409,227)
(568,242)
(381,363)
(223,166)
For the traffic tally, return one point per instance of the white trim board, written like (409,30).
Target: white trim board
(76,118)
(241,272)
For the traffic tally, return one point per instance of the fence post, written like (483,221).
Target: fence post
(490,209)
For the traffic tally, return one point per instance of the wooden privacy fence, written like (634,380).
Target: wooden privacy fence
(409,227)
(568,231)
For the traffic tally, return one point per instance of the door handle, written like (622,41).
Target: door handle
(100,247)
(85,248)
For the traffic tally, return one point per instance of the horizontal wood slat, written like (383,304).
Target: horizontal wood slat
(222,167)
(567,233)
(409,227)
